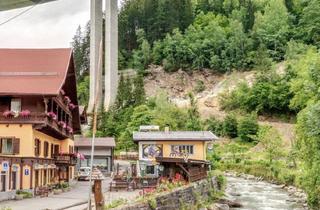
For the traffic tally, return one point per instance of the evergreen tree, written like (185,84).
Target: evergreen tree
(138,94)
(193,123)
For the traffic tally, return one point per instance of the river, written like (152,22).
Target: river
(260,195)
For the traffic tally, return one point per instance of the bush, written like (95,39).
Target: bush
(199,86)
(215,126)
(248,127)
(230,126)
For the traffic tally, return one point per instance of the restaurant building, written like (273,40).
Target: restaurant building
(38,117)
(166,153)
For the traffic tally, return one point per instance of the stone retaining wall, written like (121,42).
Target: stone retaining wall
(178,199)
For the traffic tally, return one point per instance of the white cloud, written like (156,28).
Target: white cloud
(50,25)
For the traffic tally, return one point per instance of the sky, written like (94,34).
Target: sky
(50,25)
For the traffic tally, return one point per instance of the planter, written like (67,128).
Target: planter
(57,191)
(18,197)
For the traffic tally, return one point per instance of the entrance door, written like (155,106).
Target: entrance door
(45,177)
(36,178)
(14,180)
(3,181)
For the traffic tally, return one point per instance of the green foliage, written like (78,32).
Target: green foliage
(115,203)
(141,116)
(270,139)
(215,126)
(152,203)
(308,128)
(230,126)
(155,17)
(200,86)
(271,28)
(138,93)
(309,24)
(212,41)
(248,127)
(83,90)
(193,122)
(142,55)
(305,85)
(270,93)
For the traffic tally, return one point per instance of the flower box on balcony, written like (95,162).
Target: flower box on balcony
(8,114)
(52,115)
(72,106)
(62,124)
(69,129)
(25,113)
(67,100)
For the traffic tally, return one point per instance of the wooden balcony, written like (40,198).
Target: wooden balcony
(41,122)
(65,159)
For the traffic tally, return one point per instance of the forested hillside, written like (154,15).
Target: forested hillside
(224,36)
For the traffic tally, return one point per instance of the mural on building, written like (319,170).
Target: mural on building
(151,151)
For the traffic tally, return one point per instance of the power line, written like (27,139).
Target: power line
(21,13)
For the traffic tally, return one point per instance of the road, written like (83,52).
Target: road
(78,194)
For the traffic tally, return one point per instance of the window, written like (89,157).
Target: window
(46,149)
(6,146)
(150,170)
(37,147)
(182,149)
(15,105)
(10,145)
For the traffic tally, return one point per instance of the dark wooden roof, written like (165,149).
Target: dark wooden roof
(44,72)
(174,136)
(98,142)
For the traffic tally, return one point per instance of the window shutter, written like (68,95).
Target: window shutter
(52,150)
(16,146)
(39,147)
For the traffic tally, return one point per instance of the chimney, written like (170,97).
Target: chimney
(167,129)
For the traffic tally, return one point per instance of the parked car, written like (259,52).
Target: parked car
(84,173)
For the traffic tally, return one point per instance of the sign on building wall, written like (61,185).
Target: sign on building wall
(26,172)
(5,166)
(151,151)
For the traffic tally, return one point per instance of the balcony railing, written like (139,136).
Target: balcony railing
(47,124)
(65,159)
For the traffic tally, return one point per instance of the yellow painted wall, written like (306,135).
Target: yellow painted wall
(24,132)
(64,144)
(199,148)
(26,179)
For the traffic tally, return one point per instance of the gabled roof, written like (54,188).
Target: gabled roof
(174,136)
(33,71)
(43,72)
(98,142)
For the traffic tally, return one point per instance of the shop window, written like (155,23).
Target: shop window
(182,149)
(150,170)
(15,105)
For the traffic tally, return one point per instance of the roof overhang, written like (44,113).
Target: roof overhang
(16,4)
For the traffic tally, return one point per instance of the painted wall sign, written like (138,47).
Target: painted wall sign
(5,166)
(151,151)
(26,172)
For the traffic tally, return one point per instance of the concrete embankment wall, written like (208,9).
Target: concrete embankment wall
(178,199)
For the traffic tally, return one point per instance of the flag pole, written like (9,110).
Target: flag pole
(94,125)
